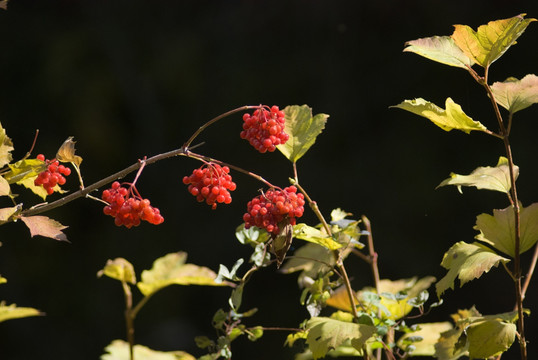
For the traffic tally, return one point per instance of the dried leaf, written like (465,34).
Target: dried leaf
(66,153)
(44,226)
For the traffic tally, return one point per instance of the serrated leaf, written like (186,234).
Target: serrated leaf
(316,236)
(303,129)
(24,169)
(490,338)
(7,213)
(9,312)
(430,333)
(325,334)
(441,49)
(66,153)
(119,269)
(490,41)
(171,269)
(45,226)
(447,119)
(119,350)
(466,262)
(499,230)
(4,187)
(489,178)
(6,146)
(515,95)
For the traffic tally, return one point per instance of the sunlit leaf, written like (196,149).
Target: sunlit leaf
(8,312)
(490,338)
(490,41)
(447,119)
(514,95)
(340,299)
(171,269)
(24,169)
(3,280)
(466,262)
(316,236)
(7,213)
(66,153)
(251,235)
(4,187)
(44,226)
(119,269)
(325,334)
(293,337)
(6,146)
(490,178)
(499,230)
(430,333)
(303,128)
(119,350)
(451,345)
(338,215)
(441,49)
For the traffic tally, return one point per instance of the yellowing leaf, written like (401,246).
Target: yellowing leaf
(325,334)
(316,236)
(119,269)
(66,153)
(303,128)
(8,312)
(451,345)
(499,230)
(4,187)
(430,333)
(6,146)
(490,178)
(44,226)
(451,118)
(490,41)
(7,213)
(24,169)
(119,350)
(514,95)
(3,280)
(466,262)
(171,269)
(441,49)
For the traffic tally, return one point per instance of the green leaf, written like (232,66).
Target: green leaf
(24,172)
(490,41)
(303,128)
(430,333)
(514,95)
(4,187)
(441,49)
(490,338)
(255,333)
(499,230)
(6,146)
(325,334)
(8,312)
(44,226)
(451,345)
(466,262)
(119,350)
(316,236)
(251,235)
(119,269)
(490,178)
(171,269)
(451,118)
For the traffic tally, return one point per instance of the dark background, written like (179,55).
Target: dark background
(136,78)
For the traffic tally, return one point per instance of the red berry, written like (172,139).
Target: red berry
(264,129)
(52,175)
(211,183)
(268,210)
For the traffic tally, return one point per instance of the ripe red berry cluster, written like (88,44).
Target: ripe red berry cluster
(211,183)
(268,210)
(54,174)
(264,129)
(129,210)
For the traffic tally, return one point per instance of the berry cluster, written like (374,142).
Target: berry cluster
(211,183)
(264,129)
(268,210)
(54,174)
(129,209)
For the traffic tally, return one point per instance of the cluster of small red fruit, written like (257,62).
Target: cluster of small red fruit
(52,176)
